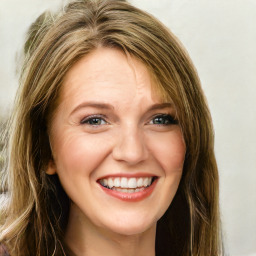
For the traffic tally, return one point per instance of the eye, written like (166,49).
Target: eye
(94,120)
(163,119)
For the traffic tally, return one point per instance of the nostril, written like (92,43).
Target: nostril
(131,150)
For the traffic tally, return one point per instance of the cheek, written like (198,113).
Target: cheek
(169,150)
(77,153)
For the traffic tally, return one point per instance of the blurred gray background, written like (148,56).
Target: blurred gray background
(220,36)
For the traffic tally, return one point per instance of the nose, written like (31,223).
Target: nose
(130,146)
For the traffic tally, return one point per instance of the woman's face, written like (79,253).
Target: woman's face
(117,148)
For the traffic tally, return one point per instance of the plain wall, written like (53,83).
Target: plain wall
(220,37)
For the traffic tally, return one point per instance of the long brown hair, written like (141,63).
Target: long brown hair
(36,208)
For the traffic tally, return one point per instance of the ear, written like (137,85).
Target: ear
(51,169)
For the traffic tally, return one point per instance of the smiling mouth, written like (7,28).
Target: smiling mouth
(127,185)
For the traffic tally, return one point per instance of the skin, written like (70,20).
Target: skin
(126,140)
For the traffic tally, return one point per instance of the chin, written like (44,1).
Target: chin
(132,230)
(132,226)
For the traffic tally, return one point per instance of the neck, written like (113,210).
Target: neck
(85,239)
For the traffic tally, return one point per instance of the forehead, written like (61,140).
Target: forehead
(106,69)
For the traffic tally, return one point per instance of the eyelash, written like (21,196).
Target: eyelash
(89,119)
(166,118)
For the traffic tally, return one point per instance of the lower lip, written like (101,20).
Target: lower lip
(131,197)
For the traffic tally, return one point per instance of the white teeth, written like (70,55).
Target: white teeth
(124,190)
(116,182)
(132,183)
(140,182)
(110,183)
(147,181)
(123,183)
(129,190)
(105,182)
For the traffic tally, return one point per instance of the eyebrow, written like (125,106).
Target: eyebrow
(160,106)
(93,105)
(109,106)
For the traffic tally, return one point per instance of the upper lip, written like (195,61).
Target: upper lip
(127,175)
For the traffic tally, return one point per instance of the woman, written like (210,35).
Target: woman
(111,142)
